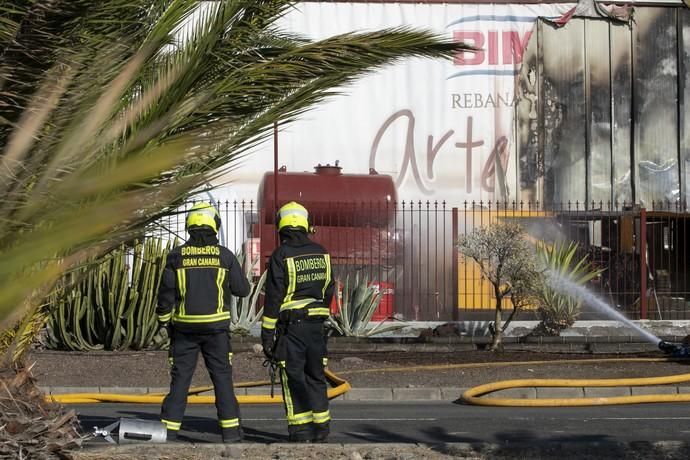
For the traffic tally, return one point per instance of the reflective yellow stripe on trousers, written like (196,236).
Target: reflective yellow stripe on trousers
(322,417)
(171,425)
(229,423)
(301,418)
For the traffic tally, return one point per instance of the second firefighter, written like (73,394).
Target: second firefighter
(299,290)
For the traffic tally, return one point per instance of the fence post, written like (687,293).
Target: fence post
(643,263)
(454,268)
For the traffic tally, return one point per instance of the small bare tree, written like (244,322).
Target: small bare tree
(505,259)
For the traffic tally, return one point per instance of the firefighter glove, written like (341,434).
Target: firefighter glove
(268,342)
(164,330)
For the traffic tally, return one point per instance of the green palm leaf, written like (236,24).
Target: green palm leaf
(110,115)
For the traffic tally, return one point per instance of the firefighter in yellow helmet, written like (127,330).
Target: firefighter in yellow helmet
(193,300)
(298,292)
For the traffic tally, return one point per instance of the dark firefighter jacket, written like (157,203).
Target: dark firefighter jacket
(300,277)
(197,284)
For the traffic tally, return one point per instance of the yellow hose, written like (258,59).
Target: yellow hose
(472,396)
(341,386)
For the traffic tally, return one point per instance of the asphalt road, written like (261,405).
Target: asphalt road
(432,422)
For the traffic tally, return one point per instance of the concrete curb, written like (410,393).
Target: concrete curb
(419,393)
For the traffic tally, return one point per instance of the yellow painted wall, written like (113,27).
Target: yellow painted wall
(473,291)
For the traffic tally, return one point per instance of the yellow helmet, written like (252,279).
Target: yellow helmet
(293,215)
(203,214)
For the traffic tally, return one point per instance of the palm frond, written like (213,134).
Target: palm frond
(123,112)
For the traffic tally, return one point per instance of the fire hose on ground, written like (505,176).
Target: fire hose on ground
(677,352)
(340,386)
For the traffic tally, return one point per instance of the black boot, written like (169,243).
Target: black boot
(231,435)
(300,433)
(321,432)
(171,435)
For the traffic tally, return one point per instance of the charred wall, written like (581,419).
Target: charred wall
(602,108)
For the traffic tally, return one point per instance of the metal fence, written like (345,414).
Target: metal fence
(408,250)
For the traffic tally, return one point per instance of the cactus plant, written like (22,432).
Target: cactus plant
(109,303)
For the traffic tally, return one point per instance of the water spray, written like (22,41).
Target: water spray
(566,286)
(563,284)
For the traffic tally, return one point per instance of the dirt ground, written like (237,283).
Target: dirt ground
(514,451)
(364,370)
(273,452)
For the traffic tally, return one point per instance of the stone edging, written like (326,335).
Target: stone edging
(419,393)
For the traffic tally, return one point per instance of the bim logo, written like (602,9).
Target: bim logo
(502,41)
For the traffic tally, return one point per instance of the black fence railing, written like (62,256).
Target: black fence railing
(408,250)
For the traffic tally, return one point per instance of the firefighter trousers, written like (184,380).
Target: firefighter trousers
(183,354)
(301,352)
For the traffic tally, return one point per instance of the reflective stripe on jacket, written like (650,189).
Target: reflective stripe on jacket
(197,284)
(299,276)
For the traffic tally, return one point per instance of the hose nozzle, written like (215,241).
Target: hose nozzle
(677,351)
(668,347)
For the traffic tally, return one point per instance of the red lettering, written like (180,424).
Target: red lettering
(493,47)
(511,48)
(467,57)
(514,46)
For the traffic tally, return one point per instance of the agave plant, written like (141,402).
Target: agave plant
(243,310)
(558,310)
(359,301)
(109,116)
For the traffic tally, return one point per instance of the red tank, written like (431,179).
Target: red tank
(332,198)
(354,218)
